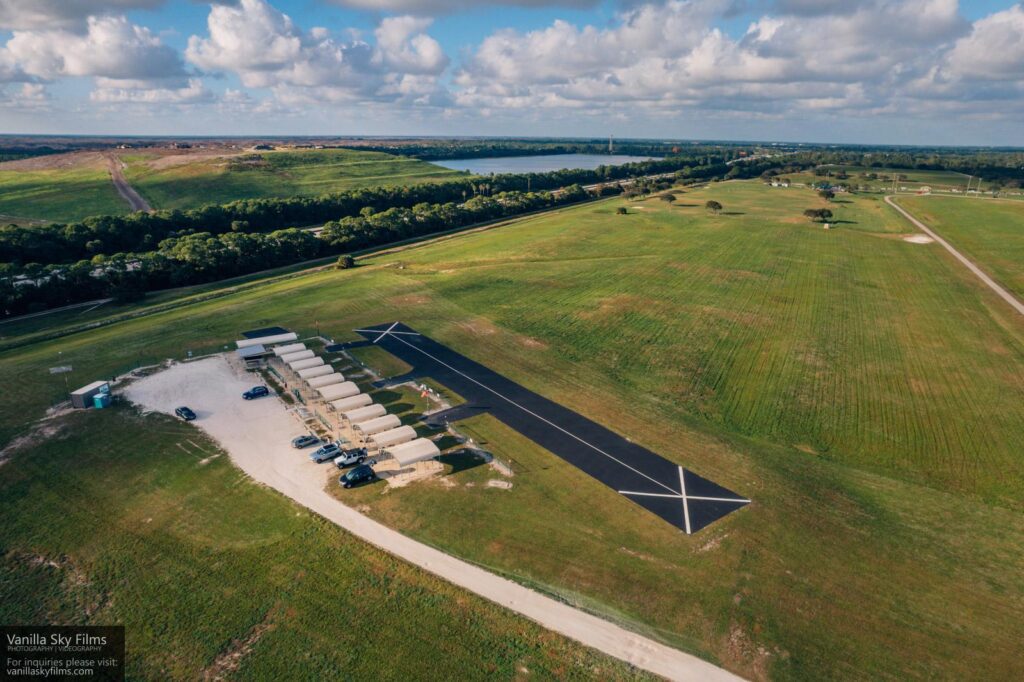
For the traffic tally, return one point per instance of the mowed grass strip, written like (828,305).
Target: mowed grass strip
(989,232)
(845,380)
(144,522)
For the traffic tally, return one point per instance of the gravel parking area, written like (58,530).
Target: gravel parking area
(257,434)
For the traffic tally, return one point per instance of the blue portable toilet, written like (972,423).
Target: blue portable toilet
(101,400)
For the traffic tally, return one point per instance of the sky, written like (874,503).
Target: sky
(842,71)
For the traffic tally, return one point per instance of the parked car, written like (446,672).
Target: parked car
(185,413)
(305,441)
(322,454)
(350,457)
(256,392)
(357,475)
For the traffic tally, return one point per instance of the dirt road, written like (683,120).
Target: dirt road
(256,434)
(126,191)
(1003,293)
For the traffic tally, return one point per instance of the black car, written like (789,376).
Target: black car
(357,475)
(256,392)
(185,413)
(305,441)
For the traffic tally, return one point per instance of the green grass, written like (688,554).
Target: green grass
(989,232)
(943,180)
(118,520)
(62,195)
(276,174)
(863,391)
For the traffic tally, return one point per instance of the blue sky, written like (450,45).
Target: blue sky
(886,71)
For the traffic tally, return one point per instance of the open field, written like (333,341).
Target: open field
(864,392)
(69,187)
(916,179)
(143,521)
(58,193)
(217,179)
(991,233)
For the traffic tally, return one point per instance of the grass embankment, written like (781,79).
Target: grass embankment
(144,522)
(989,232)
(58,195)
(272,174)
(863,391)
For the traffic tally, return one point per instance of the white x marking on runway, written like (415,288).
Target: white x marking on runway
(686,498)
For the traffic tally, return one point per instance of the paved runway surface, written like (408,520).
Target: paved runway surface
(677,495)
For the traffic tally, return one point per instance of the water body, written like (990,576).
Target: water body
(538,164)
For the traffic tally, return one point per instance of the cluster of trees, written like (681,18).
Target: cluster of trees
(820,215)
(205,256)
(395,224)
(1003,168)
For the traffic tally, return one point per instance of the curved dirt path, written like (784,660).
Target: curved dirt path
(256,434)
(992,284)
(127,192)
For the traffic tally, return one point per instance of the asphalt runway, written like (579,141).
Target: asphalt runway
(675,494)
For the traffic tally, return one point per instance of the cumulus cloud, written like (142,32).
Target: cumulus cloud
(266,49)
(111,47)
(49,14)
(143,93)
(994,49)
(429,7)
(29,96)
(799,57)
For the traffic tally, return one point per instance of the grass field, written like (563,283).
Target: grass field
(862,390)
(59,195)
(936,179)
(991,233)
(142,521)
(272,174)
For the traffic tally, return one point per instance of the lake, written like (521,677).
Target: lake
(538,164)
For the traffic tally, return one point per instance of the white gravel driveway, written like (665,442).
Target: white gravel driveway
(257,434)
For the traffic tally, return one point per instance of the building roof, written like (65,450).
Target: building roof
(297,365)
(352,402)
(402,434)
(89,388)
(363,414)
(385,423)
(267,340)
(251,351)
(297,355)
(414,451)
(337,391)
(289,348)
(315,371)
(325,380)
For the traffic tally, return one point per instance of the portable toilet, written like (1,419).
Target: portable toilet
(101,400)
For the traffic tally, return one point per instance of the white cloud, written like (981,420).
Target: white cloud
(853,59)
(268,50)
(50,14)
(111,47)
(994,50)
(406,48)
(192,93)
(431,7)
(30,96)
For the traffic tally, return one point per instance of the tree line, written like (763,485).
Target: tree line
(185,256)
(106,235)
(205,256)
